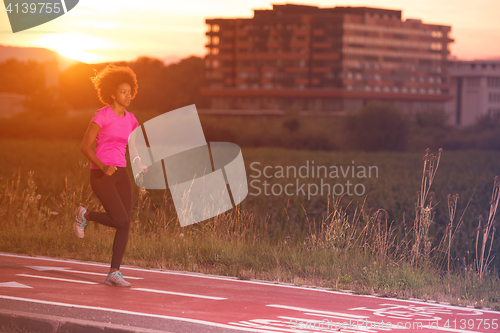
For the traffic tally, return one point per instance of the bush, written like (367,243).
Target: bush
(434,118)
(45,103)
(378,127)
(487,122)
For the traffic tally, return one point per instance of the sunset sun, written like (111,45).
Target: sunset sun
(77,46)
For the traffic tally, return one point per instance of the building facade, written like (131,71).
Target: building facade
(326,60)
(476,91)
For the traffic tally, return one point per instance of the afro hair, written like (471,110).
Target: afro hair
(107,81)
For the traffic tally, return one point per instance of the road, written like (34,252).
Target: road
(173,301)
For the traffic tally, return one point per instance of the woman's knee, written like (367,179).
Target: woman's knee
(123,223)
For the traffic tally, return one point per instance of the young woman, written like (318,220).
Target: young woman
(110,128)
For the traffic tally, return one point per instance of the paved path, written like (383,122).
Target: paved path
(172,301)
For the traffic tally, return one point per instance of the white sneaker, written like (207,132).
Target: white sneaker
(116,279)
(80,222)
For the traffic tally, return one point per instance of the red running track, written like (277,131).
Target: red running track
(226,302)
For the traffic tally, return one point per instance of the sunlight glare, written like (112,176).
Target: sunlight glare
(77,46)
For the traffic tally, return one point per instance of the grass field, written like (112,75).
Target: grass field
(358,242)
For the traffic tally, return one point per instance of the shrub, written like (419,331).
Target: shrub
(487,122)
(378,127)
(434,118)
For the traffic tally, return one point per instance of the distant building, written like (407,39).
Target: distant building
(476,90)
(326,60)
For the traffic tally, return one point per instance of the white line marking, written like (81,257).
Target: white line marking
(196,321)
(63,2)
(249,325)
(346,315)
(223,278)
(104,274)
(179,294)
(45,268)
(65,269)
(14,284)
(333,326)
(55,279)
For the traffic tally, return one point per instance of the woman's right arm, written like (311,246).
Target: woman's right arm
(86,149)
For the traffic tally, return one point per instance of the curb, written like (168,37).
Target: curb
(15,321)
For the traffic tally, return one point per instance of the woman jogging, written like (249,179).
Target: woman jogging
(110,128)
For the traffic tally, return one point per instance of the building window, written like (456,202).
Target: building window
(494,113)
(494,82)
(473,82)
(215,28)
(494,97)
(436,46)
(436,34)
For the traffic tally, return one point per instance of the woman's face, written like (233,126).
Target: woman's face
(123,95)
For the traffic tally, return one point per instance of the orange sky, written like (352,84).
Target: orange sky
(112,30)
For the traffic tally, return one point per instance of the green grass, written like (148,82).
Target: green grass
(338,243)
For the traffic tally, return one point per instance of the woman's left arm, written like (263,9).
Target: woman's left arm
(134,155)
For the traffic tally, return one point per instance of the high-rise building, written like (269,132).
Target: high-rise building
(476,91)
(326,60)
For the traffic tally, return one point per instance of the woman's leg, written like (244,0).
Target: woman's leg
(115,194)
(124,189)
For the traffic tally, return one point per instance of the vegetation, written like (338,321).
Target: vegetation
(362,243)
(376,127)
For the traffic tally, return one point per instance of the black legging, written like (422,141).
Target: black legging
(115,194)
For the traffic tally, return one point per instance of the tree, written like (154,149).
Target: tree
(378,127)
(45,102)
(76,88)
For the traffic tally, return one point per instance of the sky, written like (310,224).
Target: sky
(113,30)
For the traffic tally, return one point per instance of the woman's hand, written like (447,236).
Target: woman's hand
(142,168)
(109,169)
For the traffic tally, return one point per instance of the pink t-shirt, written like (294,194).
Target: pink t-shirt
(111,141)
